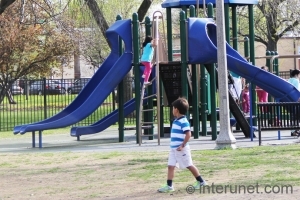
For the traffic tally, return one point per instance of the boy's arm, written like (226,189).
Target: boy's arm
(186,139)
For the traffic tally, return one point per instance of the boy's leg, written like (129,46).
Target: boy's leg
(185,161)
(171,170)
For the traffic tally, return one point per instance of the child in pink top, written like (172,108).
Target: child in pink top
(147,56)
(246,100)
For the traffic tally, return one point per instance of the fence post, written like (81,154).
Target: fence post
(45,98)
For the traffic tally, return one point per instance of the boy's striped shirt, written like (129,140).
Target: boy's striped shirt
(179,127)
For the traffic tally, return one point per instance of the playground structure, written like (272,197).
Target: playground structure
(198,47)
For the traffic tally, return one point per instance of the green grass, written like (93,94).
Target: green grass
(267,165)
(89,171)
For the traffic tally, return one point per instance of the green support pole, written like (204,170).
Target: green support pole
(252,59)
(184,8)
(268,64)
(268,60)
(276,64)
(273,68)
(234,28)
(195,73)
(246,47)
(184,85)
(136,63)
(148,116)
(169,34)
(121,96)
(170,50)
(203,100)
(213,87)
(227,26)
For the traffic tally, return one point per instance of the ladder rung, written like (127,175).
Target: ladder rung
(147,127)
(147,97)
(147,123)
(147,135)
(147,110)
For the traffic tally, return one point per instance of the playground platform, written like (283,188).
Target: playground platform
(107,141)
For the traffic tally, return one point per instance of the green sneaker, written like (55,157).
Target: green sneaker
(166,189)
(198,184)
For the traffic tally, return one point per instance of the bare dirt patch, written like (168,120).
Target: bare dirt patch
(115,175)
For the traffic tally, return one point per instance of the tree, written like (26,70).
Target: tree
(4,4)
(273,19)
(33,47)
(101,12)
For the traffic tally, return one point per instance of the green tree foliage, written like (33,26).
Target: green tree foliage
(273,19)
(30,44)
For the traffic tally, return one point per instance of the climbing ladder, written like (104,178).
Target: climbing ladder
(157,15)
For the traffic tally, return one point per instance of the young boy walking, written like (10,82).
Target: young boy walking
(179,148)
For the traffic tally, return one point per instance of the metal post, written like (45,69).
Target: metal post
(203,100)
(252,58)
(276,64)
(121,96)
(136,58)
(195,74)
(227,28)
(148,116)
(184,85)
(234,28)
(45,98)
(268,64)
(33,139)
(157,82)
(225,138)
(40,139)
(213,88)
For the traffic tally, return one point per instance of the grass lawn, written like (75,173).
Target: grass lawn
(137,175)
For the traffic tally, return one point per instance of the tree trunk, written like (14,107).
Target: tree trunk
(103,25)
(143,9)
(98,16)
(4,4)
(77,71)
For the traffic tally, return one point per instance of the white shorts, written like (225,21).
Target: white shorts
(183,157)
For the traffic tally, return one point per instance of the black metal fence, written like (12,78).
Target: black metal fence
(35,100)
(285,74)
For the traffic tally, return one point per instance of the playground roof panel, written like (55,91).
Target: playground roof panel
(180,3)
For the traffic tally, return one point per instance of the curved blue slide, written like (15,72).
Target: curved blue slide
(98,88)
(113,117)
(202,47)
(105,122)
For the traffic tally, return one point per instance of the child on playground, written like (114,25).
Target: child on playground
(179,148)
(246,100)
(261,94)
(294,80)
(147,56)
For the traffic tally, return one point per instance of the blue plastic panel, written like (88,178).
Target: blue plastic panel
(180,3)
(202,48)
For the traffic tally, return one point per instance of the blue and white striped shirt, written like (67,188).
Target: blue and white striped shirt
(179,127)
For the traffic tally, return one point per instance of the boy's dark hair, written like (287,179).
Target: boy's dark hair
(148,39)
(182,105)
(295,72)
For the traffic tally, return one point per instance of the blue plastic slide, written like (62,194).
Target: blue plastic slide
(111,72)
(113,117)
(202,47)
(105,122)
